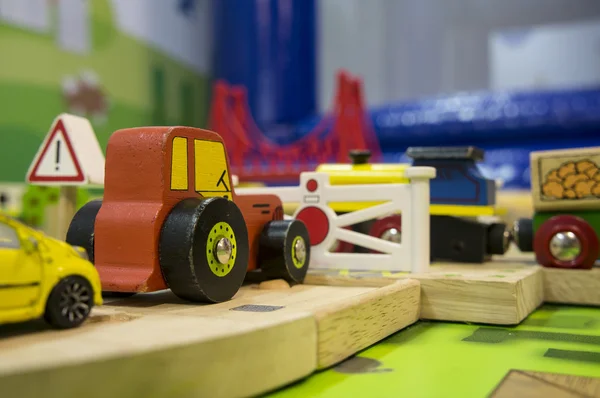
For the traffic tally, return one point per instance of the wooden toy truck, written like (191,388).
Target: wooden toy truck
(564,231)
(170,219)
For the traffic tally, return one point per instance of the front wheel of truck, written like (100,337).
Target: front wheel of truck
(203,251)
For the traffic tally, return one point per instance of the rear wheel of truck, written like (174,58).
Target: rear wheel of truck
(203,250)
(81,229)
(284,250)
(566,242)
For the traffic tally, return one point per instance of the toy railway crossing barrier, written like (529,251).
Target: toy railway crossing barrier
(325,227)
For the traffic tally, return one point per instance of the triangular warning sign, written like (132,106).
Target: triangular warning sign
(56,161)
(69,155)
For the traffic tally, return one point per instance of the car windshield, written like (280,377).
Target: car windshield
(8,237)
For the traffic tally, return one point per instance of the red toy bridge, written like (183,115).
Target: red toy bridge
(255,158)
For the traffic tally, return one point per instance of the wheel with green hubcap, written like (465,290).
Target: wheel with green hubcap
(203,251)
(284,250)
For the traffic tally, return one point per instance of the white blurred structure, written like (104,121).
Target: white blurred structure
(407,49)
(553,56)
(74,26)
(28,14)
(160,23)
(184,36)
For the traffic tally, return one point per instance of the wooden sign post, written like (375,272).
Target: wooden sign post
(70,156)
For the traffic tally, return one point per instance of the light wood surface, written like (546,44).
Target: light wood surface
(566,286)
(155,345)
(498,292)
(519,383)
(572,286)
(60,214)
(356,323)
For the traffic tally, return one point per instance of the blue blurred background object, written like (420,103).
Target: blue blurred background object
(268,46)
(508,78)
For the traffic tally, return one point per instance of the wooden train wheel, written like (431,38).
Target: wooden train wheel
(566,242)
(387,228)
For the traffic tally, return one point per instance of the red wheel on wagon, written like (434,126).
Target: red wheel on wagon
(566,242)
(339,246)
(387,228)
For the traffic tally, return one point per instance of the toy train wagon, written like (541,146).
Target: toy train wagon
(565,228)
(460,198)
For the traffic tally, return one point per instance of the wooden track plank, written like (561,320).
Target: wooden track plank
(498,292)
(572,286)
(162,354)
(348,327)
(565,286)
(157,345)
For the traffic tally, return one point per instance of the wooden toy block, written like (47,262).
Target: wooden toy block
(572,286)
(566,179)
(266,337)
(565,188)
(522,383)
(499,292)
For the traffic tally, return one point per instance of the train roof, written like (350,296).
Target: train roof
(445,153)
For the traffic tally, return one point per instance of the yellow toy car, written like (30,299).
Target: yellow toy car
(42,276)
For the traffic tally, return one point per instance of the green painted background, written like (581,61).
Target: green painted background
(435,359)
(143,87)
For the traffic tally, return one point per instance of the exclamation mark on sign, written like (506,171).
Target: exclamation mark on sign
(57,154)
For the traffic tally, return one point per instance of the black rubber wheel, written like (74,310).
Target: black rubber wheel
(498,239)
(69,303)
(284,250)
(523,234)
(81,229)
(188,255)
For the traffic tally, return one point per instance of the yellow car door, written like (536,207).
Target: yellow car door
(20,270)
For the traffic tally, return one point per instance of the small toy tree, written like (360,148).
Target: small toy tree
(37,199)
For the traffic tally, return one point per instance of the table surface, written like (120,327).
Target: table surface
(440,359)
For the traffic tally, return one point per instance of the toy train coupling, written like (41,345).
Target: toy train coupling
(522,234)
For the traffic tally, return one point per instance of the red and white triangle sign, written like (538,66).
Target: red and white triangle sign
(57,162)
(69,155)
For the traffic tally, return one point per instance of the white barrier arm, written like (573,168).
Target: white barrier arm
(367,241)
(368,193)
(286,194)
(359,261)
(365,214)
